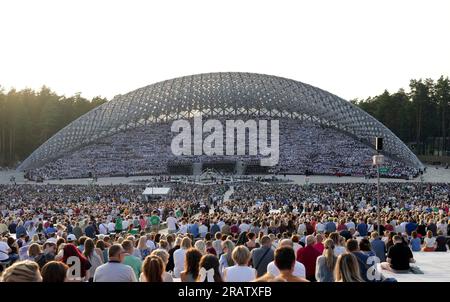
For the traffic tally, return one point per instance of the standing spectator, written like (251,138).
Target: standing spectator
(362,228)
(171,223)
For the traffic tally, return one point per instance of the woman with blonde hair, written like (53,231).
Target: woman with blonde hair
(179,256)
(226,260)
(143,248)
(201,246)
(347,269)
(164,255)
(240,272)
(34,251)
(339,243)
(23,271)
(429,242)
(325,264)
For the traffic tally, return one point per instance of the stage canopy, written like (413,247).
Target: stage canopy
(156,191)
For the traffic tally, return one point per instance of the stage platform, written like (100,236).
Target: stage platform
(434,265)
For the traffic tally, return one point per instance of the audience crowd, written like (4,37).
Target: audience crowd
(261,233)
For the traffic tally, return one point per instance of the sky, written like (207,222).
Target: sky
(352,48)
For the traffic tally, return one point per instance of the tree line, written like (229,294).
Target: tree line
(28,118)
(420,117)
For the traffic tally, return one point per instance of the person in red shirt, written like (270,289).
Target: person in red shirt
(319,245)
(308,256)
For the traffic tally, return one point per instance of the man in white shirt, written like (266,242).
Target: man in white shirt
(4,251)
(103,228)
(202,230)
(244,226)
(111,227)
(299,268)
(114,270)
(171,223)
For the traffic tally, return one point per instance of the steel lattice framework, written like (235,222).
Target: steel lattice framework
(218,94)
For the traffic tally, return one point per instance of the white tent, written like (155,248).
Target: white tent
(155,191)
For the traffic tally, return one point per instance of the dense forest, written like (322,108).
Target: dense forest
(28,118)
(420,117)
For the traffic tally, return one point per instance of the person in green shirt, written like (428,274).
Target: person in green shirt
(155,221)
(118,226)
(178,213)
(134,262)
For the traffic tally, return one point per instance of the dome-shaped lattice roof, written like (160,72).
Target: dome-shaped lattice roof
(215,94)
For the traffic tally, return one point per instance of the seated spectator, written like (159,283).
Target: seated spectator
(152,269)
(262,256)
(179,256)
(326,263)
(114,270)
(299,268)
(209,269)
(240,272)
(378,246)
(226,259)
(399,256)
(429,242)
(285,262)
(415,242)
(308,257)
(165,258)
(22,271)
(54,272)
(191,265)
(134,262)
(347,269)
(352,247)
(441,242)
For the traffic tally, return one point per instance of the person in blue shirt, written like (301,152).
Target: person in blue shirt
(415,242)
(411,226)
(378,246)
(353,247)
(193,229)
(330,226)
(51,229)
(362,228)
